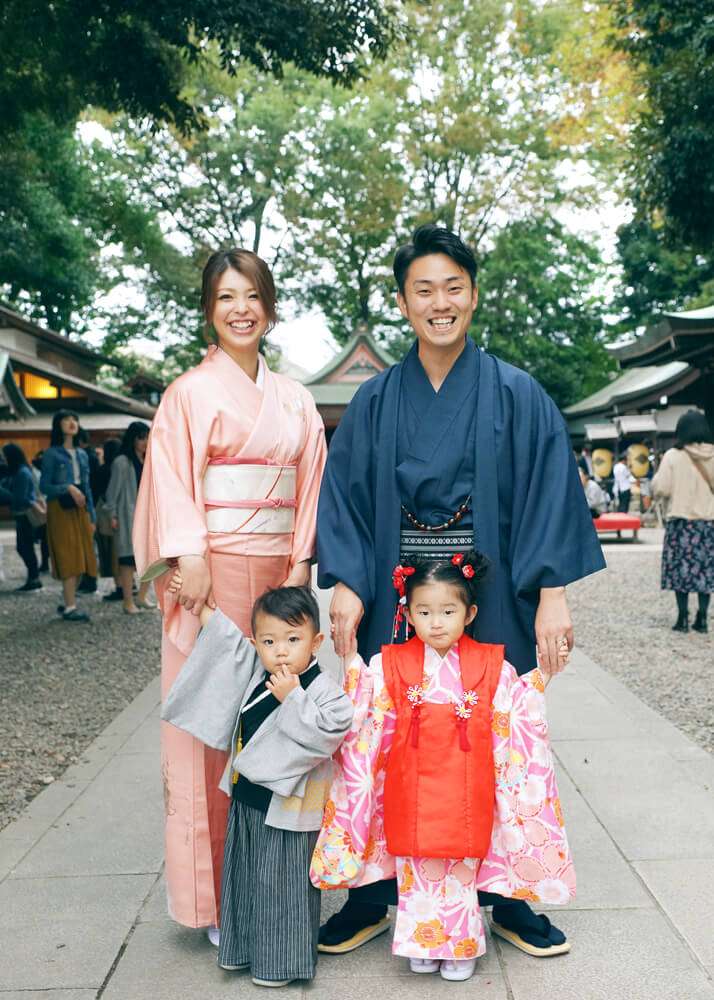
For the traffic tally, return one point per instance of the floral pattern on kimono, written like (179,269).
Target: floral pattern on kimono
(529,856)
(438,914)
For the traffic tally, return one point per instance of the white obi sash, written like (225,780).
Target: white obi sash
(249,497)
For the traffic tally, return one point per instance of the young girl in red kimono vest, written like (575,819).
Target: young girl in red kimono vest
(445,779)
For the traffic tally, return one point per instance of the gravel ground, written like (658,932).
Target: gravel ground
(61,683)
(623,621)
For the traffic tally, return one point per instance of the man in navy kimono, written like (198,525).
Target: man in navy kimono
(448,450)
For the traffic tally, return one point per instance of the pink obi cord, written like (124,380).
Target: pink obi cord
(235,460)
(269,502)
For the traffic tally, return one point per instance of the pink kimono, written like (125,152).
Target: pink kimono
(438,915)
(217,434)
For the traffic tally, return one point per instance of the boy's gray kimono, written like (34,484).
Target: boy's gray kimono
(291,751)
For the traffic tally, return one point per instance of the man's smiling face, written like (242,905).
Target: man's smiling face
(438,300)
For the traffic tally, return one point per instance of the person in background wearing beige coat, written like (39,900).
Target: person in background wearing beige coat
(686,478)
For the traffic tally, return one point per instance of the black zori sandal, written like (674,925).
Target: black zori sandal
(532,933)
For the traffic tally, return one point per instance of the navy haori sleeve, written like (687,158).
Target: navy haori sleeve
(552,539)
(345,512)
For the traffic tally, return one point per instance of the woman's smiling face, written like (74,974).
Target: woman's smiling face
(239,317)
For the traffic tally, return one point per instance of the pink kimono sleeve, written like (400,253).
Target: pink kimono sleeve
(310,467)
(168,521)
(529,856)
(351,849)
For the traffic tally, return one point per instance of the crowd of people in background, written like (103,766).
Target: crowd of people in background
(681,483)
(76,503)
(73,507)
(623,490)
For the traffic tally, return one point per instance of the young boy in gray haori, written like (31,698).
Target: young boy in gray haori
(267,699)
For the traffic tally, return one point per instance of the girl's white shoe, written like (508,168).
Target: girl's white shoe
(424,964)
(214,936)
(457,969)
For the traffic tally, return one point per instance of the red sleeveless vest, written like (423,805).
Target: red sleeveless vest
(440,790)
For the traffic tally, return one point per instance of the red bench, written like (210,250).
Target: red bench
(618,523)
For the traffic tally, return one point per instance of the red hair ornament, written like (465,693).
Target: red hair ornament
(466,568)
(399,576)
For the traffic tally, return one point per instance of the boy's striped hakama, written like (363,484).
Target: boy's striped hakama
(270,909)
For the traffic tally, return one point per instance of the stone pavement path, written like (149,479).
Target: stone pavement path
(82,911)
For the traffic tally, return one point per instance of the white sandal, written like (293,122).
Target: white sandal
(457,970)
(422,965)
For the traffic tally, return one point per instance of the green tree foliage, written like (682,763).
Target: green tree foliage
(178,198)
(139,58)
(49,220)
(539,310)
(658,275)
(326,183)
(134,56)
(464,124)
(343,207)
(672,46)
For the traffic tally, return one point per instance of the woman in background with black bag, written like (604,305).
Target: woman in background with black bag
(26,509)
(70,510)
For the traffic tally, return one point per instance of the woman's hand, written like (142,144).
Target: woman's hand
(115,523)
(346,611)
(195,584)
(77,495)
(299,575)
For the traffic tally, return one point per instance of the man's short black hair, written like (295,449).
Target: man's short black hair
(294,605)
(429,239)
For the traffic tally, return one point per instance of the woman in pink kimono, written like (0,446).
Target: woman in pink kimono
(229,491)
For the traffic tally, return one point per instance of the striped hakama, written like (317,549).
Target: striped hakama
(270,911)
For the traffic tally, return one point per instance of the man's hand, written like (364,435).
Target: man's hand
(299,575)
(554,630)
(346,612)
(281,683)
(195,584)
(77,495)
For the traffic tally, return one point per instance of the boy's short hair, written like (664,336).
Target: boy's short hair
(293,605)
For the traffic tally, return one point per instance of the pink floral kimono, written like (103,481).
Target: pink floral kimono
(438,914)
(232,472)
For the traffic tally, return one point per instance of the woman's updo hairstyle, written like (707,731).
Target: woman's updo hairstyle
(464,571)
(252,267)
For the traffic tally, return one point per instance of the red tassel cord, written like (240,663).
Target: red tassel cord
(463,735)
(414,726)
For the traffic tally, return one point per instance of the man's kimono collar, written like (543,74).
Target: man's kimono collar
(438,410)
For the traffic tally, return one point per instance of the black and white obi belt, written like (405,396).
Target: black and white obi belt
(441,545)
